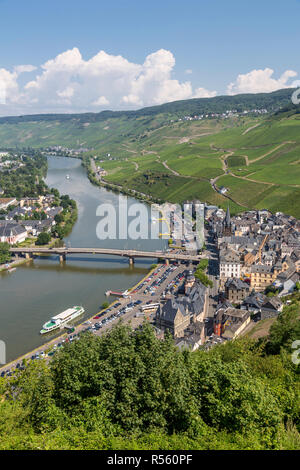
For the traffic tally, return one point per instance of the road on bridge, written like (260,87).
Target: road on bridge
(63,251)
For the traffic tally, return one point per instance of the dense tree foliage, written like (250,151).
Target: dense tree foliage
(130,390)
(200,273)
(203,265)
(43,238)
(66,219)
(286,330)
(26,181)
(4,253)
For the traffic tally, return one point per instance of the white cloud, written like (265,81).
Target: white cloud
(203,93)
(9,89)
(66,93)
(24,68)
(260,81)
(101,101)
(69,83)
(188,71)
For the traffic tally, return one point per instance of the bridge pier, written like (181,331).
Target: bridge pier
(131,261)
(28,255)
(62,257)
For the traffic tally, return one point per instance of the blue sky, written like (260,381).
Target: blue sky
(206,44)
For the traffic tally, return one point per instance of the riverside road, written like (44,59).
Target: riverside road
(138,293)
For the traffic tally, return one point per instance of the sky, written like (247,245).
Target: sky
(77,56)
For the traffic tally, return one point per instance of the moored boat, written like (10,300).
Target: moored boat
(62,319)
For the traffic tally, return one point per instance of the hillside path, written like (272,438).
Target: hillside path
(250,128)
(271,151)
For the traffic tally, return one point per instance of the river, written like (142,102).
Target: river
(40,289)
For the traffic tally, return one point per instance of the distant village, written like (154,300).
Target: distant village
(64,151)
(10,161)
(27,217)
(226,115)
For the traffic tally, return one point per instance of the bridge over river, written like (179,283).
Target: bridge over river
(130,254)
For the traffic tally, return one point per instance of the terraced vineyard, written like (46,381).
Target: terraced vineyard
(256,158)
(260,168)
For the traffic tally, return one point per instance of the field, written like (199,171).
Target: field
(256,158)
(258,169)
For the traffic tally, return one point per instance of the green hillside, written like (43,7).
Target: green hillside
(156,152)
(113,129)
(219,104)
(257,160)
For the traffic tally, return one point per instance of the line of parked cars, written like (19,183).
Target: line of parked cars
(157,282)
(114,316)
(41,355)
(101,314)
(127,308)
(174,284)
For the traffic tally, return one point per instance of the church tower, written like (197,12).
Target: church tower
(227,229)
(189,281)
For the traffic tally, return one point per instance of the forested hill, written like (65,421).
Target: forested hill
(219,104)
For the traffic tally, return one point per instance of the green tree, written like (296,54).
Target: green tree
(130,390)
(58,218)
(230,398)
(5,255)
(285,330)
(34,389)
(43,238)
(141,381)
(59,231)
(202,266)
(203,278)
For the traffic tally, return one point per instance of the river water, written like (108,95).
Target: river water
(40,289)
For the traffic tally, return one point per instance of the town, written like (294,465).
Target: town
(250,265)
(253,263)
(27,218)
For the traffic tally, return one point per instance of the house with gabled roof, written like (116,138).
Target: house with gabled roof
(12,233)
(177,313)
(271,308)
(236,290)
(230,322)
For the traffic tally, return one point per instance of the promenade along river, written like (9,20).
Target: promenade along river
(38,290)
